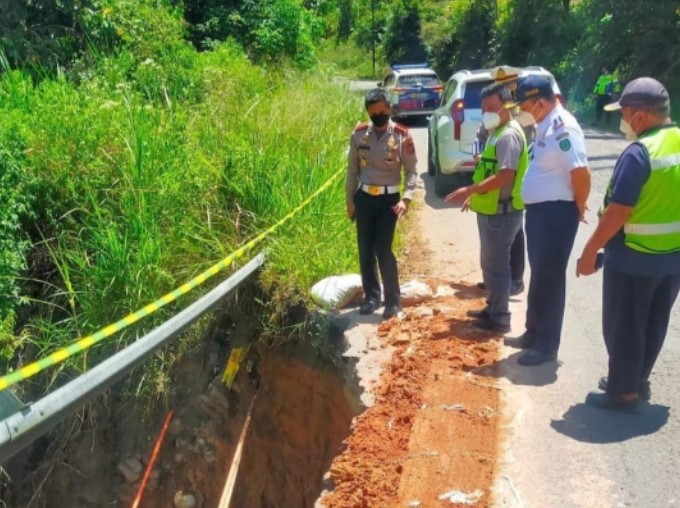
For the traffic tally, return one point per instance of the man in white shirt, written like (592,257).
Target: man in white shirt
(555,190)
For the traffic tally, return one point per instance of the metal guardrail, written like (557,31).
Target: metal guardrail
(35,419)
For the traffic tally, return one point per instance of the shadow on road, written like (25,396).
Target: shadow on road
(591,425)
(603,158)
(602,135)
(431,198)
(508,368)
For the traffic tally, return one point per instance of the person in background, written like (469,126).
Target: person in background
(554,190)
(603,91)
(378,152)
(639,230)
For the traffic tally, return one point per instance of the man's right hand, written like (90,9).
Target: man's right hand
(351,210)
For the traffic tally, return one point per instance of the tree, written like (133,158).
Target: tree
(345,20)
(402,42)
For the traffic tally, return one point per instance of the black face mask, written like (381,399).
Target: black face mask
(380,120)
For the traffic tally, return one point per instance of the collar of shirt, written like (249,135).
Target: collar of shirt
(379,135)
(657,127)
(544,125)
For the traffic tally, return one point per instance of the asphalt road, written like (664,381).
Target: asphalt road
(559,452)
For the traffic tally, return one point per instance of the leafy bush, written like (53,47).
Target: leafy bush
(16,197)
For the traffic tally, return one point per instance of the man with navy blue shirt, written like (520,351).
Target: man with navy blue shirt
(640,232)
(555,190)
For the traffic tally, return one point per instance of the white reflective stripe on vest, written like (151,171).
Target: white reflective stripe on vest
(652,229)
(665,162)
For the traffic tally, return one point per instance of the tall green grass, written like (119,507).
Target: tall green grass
(138,189)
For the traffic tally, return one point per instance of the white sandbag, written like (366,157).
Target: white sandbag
(336,291)
(415,291)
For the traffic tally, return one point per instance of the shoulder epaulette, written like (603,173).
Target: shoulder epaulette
(361,126)
(400,129)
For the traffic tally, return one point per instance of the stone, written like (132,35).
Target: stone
(131,469)
(444,291)
(422,312)
(209,455)
(182,500)
(176,427)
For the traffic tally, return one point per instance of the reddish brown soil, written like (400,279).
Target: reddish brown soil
(434,427)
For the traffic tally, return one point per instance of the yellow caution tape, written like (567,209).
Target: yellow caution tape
(236,357)
(81,345)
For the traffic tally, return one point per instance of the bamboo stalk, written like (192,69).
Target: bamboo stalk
(229,485)
(152,460)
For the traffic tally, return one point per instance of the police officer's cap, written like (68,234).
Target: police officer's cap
(532,87)
(504,74)
(641,92)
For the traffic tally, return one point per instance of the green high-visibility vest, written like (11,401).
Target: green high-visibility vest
(602,84)
(654,225)
(487,203)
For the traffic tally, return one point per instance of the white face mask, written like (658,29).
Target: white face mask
(627,130)
(491,120)
(526,118)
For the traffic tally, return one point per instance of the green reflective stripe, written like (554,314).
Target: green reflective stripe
(665,162)
(652,229)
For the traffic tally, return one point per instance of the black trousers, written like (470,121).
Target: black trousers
(635,314)
(517,260)
(600,103)
(376,223)
(551,229)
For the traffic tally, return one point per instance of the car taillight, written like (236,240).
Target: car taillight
(399,90)
(561,99)
(438,88)
(458,116)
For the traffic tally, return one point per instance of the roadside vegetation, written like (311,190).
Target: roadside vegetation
(142,140)
(131,165)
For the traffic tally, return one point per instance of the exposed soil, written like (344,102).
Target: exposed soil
(435,425)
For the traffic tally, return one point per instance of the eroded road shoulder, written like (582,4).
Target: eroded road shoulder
(434,427)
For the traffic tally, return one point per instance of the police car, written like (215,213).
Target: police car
(452,128)
(412,90)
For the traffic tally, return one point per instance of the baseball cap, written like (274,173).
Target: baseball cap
(504,74)
(532,87)
(641,92)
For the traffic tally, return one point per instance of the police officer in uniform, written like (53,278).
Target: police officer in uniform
(508,76)
(640,232)
(496,197)
(378,152)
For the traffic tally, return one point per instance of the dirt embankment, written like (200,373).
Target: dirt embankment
(301,415)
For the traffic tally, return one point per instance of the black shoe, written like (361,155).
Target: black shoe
(369,307)
(524,341)
(645,390)
(491,326)
(612,403)
(534,357)
(481,285)
(392,311)
(516,288)
(479,314)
